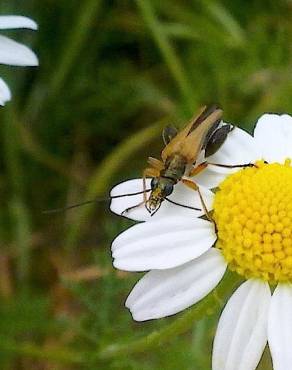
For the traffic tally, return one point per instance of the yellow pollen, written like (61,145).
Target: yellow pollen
(253,215)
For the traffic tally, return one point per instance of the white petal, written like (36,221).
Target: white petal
(239,148)
(119,205)
(211,177)
(280,327)
(5,94)
(162,244)
(242,330)
(181,194)
(14,53)
(273,136)
(16,21)
(162,293)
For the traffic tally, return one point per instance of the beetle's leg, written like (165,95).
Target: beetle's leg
(236,165)
(156,164)
(196,170)
(148,172)
(233,165)
(168,133)
(192,185)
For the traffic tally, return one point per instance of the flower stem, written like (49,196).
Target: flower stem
(30,144)
(180,325)
(167,51)
(20,218)
(81,29)
(183,323)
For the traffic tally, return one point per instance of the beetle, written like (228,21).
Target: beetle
(180,154)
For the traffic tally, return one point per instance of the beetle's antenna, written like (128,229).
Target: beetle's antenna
(127,195)
(183,205)
(63,209)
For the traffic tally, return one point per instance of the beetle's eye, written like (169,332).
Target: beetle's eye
(153,182)
(168,189)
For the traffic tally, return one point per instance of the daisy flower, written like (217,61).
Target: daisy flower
(12,52)
(187,256)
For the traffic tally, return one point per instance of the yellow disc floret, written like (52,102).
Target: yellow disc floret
(253,215)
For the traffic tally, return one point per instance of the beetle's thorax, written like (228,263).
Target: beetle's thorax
(174,168)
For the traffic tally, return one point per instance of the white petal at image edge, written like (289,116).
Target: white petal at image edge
(5,94)
(280,327)
(241,335)
(162,293)
(16,21)
(273,136)
(16,54)
(162,243)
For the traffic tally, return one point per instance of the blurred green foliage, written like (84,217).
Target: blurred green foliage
(111,74)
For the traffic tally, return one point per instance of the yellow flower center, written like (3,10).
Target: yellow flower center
(253,215)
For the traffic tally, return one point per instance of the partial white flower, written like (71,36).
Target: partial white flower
(280,327)
(252,210)
(242,330)
(12,52)
(5,94)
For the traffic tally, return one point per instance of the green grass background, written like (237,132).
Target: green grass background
(111,74)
